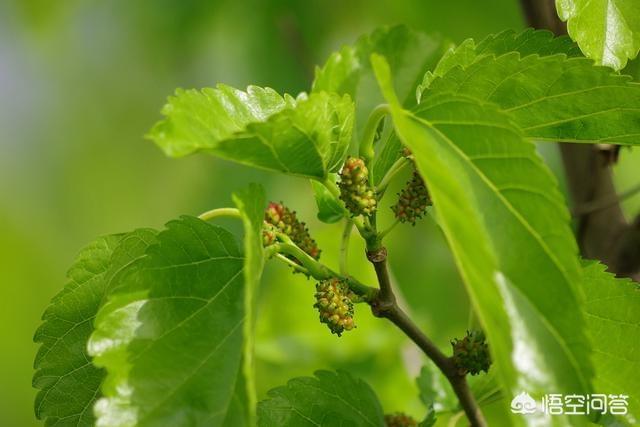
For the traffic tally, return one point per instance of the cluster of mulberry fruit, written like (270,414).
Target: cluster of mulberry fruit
(399,419)
(471,353)
(279,218)
(413,200)
(333,301)
(355,192)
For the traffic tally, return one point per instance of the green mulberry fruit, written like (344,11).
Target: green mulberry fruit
(355,192)
(282,219)
(413,200)
(471,353)
(399,419)
(335,305)
(268,234)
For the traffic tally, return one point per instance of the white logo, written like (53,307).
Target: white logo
(523,404)
(571,404)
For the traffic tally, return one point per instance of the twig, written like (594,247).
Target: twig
(386,306)
(605,202)
(344,248)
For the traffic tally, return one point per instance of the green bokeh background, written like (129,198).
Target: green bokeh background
(81,83)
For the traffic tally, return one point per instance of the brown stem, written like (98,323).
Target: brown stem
(386,306)
(605,203)
(603,234)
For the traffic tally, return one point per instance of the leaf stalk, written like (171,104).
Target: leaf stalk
(368,137)
(391,173)
(320,271)
(220,212)
(344,247)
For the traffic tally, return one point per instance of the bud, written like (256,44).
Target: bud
(399,419)
(412,200)
(333,301)
(355,191)
(471,353)
(280,218)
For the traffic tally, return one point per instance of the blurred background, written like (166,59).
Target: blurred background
(82,82)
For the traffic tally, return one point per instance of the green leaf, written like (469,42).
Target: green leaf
(528,42)
(551,98)
(429,420)
(408,52)
(307,136)
(608,31)
(69,383)
(329,399)
(434,389)
(348,71)
(238,412)
(330,208)
(251,203)
(613,318)
(171,336)
(499,205)
(434,393)
(632,69)
(67,379)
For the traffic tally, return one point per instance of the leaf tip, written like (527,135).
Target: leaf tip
(382,72)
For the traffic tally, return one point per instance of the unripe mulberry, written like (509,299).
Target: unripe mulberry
(355,192)
(333,301)
(268,234)
(285,221)
(413,200)
(399,419)
(471,353)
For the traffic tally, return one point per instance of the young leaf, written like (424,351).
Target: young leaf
(608,31)
(330,399)
(430,419)
(434,390)
(437,395)
(251,203)
(408,52)
(348,71)
(613,318)
(69,383)
(498,205)
(528,42)
(171,336)
(552,98)
(330,209)
(307,136)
